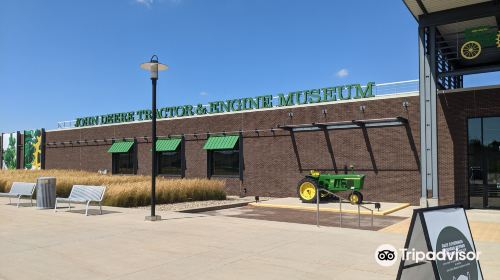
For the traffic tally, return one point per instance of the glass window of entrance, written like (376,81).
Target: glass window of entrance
(484,162)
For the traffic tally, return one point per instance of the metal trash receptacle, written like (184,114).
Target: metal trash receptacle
(45,192)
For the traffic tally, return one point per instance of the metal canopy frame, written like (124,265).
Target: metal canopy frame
(385,122)
(441,68)
(353,124)
(459,14)
(441,30)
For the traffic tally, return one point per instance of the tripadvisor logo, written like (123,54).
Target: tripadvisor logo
(448,254)
(454,255)
(386,255)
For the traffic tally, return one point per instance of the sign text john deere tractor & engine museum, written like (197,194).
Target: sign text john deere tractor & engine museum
(328,94)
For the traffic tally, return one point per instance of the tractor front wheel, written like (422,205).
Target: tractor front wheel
(307,190)
(356,197)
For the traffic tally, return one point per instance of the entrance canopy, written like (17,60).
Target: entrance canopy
(467,39)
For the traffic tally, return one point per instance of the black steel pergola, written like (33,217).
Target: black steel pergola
(397,121)
(455,39)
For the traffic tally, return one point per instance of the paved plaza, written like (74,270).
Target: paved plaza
(41,244)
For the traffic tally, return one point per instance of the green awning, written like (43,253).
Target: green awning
(221,142)
(167,145)
(121,147)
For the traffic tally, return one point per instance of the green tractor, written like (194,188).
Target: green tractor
(307,187)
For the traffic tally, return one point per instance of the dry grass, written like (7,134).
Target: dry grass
(123,191)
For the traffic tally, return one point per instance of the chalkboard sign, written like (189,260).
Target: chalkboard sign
(439,246)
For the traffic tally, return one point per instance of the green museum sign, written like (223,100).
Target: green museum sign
(312,96)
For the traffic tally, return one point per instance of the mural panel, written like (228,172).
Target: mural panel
(33,149)
(9,150)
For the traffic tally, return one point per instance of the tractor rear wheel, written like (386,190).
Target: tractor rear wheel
(356,197)
(307,190)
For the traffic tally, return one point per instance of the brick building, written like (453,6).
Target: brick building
(267,151)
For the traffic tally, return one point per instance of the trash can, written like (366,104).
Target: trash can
(45,192)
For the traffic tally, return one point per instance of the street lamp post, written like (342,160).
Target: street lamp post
(153,66)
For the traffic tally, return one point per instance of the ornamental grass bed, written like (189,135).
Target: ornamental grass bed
(123,190)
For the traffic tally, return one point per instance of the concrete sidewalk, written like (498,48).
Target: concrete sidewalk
(39,244)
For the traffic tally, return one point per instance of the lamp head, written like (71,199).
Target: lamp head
(153,66)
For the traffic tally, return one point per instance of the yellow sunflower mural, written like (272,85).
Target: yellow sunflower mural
(32,149)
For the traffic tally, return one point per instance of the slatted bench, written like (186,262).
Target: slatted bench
(20,189)
(84,194)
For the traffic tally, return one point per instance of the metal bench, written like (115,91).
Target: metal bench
(20,189)
(84,194)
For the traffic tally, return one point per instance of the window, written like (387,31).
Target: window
(169,156)
(169,163)
(484,162)
(123,163)
(223,155)
(123,157)
(225,162)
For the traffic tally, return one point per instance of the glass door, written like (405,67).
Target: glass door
(484,162)
(491,147)
(476,170)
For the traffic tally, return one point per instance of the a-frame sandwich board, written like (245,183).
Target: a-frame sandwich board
(436,229)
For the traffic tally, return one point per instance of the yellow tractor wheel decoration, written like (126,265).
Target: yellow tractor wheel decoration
(307,190)
(354,198)
(470,50)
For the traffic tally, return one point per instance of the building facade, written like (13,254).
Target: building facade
(268,151)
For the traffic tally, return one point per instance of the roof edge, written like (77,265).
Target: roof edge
(377,97)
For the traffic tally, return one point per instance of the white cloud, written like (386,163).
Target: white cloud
(149,3)
(342,73)
(146,3)
(203,93)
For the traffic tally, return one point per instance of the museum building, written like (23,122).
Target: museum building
(267,151)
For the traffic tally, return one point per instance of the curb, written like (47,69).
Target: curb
(362,212)
(214,208)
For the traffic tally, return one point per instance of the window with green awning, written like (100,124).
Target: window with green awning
(221,142)
(169,157)
(121,147)
(167,145)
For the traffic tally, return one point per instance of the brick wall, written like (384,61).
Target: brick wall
(455,107)
(388,156)
(273,164)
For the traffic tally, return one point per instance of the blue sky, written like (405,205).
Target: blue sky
(64,59)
